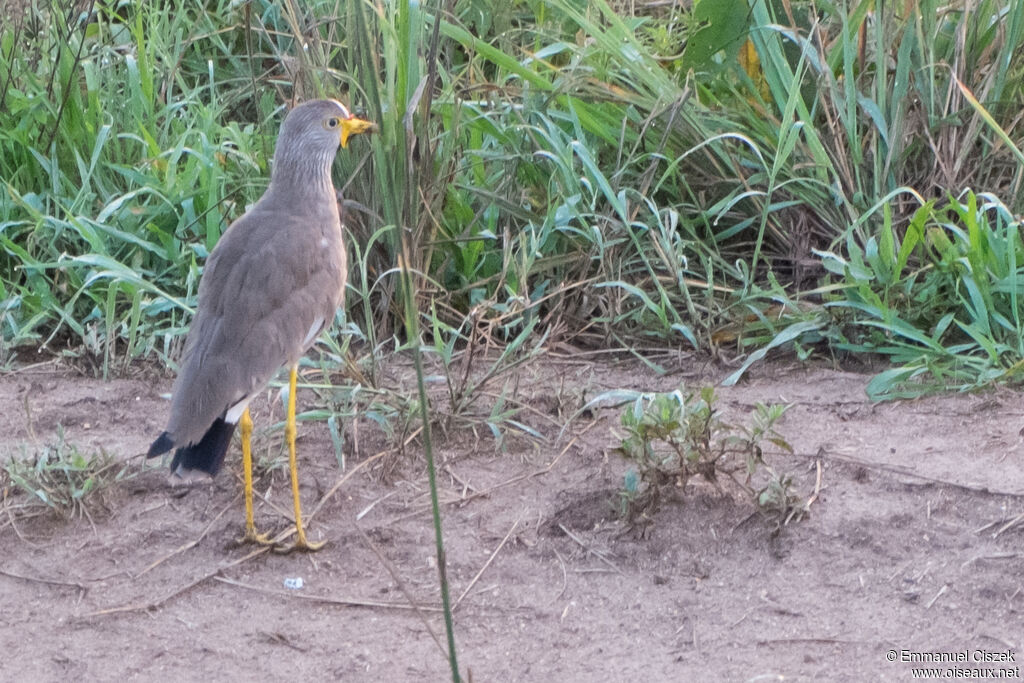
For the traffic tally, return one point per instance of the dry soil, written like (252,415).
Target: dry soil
(911,545)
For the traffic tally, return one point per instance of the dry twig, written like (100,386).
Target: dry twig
(401,586)
(191,544)
(590,550)
(486,565)
(325,599)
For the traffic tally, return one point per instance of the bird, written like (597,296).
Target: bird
(271,285)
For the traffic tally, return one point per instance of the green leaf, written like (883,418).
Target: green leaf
(723,26)
(788,334)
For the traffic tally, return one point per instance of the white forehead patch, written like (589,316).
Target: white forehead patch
(344,110)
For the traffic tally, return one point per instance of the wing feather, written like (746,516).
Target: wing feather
(269,281)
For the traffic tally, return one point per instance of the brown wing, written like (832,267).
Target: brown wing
(271,277)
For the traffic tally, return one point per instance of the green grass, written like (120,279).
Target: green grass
(556,168)
(943,302)
(59,479)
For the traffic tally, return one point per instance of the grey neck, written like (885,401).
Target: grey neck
(302,179)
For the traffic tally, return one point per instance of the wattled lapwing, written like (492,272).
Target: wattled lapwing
(271,285)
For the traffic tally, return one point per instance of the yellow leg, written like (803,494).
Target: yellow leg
(301,543)
(245,425)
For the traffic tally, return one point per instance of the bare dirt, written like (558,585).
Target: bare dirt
(912,544)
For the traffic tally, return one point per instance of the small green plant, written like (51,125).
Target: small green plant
(469,369)
(673,437)
(62,479)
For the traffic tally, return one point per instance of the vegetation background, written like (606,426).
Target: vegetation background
(732,176)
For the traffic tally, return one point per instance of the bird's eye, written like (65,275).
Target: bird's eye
(332,122)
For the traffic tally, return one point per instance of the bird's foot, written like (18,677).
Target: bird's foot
(301,543)
(252,536)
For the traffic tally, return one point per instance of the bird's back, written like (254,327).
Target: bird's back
(274,280)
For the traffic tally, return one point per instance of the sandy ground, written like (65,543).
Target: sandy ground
(912,545)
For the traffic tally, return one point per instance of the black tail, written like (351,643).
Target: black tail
(207,455)
(162,444)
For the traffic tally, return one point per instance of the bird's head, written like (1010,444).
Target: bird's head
(319,126)
(309,139)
